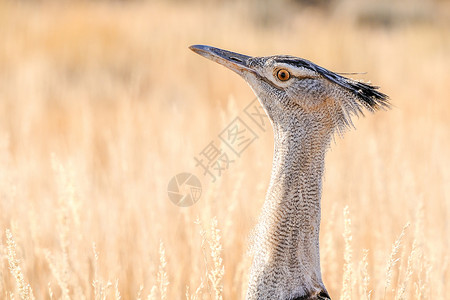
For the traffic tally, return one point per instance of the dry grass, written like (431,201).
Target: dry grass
(101,104)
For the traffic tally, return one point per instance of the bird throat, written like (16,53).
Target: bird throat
(286,261)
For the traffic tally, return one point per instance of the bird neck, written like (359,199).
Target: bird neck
(286,258)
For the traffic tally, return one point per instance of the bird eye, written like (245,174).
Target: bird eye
(283,75)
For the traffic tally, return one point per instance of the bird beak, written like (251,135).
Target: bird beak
(236,62)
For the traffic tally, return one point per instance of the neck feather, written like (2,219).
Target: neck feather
(286,252)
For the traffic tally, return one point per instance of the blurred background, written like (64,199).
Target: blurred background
(102,103)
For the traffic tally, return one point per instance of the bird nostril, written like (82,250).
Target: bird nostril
(236,59)
(324,295)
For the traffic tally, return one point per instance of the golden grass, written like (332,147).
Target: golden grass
(101,104)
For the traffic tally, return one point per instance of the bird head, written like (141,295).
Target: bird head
(294,88)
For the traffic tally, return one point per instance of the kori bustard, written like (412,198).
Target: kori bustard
(306,105)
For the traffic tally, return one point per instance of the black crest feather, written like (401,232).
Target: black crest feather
(367,94)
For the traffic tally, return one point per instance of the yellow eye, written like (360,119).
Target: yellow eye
(283,75)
